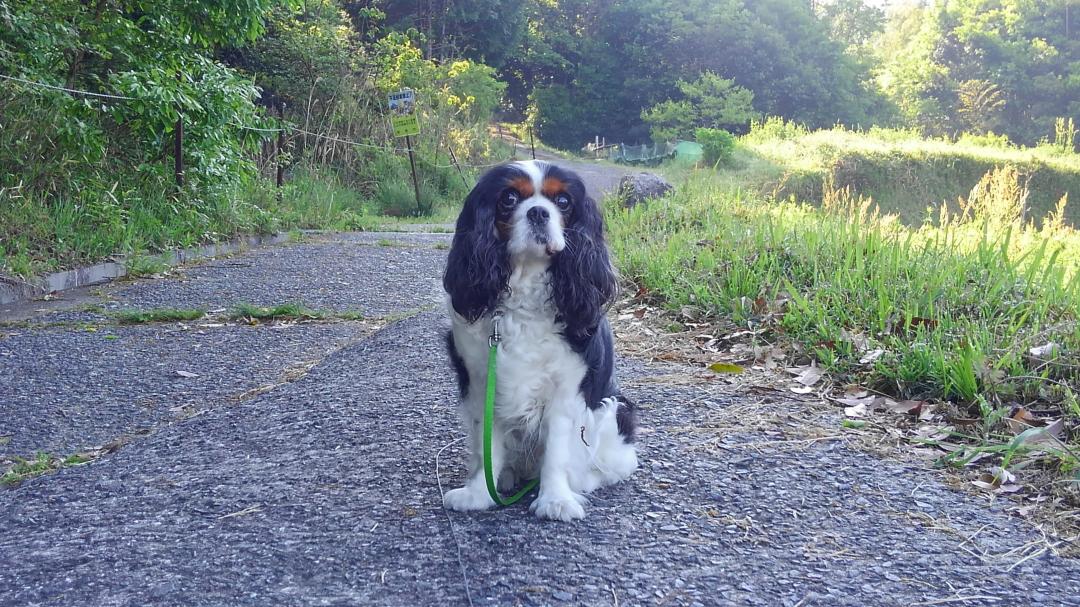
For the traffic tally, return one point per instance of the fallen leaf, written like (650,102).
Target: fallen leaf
(1046,435)
(1048,350)
(855,411)
(861,343)
(871,356)
(725,368)
(1003,475)
(855,391)
(865,401)
(1021,420)
(809,376)
(912,407)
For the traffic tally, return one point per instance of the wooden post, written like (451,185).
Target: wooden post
(453,157)
(178,151)
(416,183)
(280,146)
(532,143)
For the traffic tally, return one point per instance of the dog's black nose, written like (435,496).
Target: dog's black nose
(538,215)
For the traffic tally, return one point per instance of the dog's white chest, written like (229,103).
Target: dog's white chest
(535,365)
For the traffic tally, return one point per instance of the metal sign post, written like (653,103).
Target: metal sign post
(403,119)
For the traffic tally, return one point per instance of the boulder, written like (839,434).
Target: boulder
(637,188)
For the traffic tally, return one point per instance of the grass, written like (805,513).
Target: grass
(40,464)
(145,265)
(41,234)
(137,317)
(904,173)
(290,311)
(961,309)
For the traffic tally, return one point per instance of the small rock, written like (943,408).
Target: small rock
(562,595)
(635,189)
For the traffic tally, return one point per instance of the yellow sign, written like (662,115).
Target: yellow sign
(403,113)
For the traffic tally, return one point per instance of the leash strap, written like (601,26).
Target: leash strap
(489,421)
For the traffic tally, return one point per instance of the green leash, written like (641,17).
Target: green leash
(489,420)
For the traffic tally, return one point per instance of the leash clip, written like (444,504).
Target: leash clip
(495,336)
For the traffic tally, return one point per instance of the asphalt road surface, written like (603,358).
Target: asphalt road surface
(295,464)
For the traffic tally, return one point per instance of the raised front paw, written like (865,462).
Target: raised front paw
(559,507)
(465,498)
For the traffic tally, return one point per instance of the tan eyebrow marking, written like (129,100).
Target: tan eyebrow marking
(552,187)
(523,185)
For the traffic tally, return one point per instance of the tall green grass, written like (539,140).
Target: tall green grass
(40,234)
(956,305)
(903,172)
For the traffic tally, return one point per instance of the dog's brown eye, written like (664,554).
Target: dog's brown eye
(509,200)
(562,201)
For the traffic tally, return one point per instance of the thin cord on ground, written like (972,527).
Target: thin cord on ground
(453,529)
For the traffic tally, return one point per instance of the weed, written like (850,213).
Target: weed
(145,265)
(290,311)
(956,307)
(135,317)
(41,463)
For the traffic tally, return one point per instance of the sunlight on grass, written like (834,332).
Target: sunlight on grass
(956,306)
(906,174)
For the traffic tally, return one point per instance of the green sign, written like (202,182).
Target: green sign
(403,113)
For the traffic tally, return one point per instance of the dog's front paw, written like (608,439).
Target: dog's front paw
(466,498)
(561,507)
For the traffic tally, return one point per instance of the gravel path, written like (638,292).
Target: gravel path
(323,491)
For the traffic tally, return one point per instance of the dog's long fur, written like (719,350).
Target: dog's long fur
(530,243)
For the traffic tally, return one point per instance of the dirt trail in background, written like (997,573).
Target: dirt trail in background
(294,463)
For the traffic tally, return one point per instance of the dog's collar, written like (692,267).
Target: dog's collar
(496,316)
(495,337)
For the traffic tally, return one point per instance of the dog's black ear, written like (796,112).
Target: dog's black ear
(477,267)
(583,279)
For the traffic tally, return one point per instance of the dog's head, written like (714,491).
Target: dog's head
(528,213)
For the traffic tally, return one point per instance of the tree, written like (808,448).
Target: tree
(600,64)
(1015,61)
(851,22)
(710,101)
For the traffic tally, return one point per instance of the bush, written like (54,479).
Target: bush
(989,140)
(718,145)
(774,128)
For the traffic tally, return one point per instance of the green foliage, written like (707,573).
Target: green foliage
(290,311)
(989,140)
(601,64)
(955,307)
(979,104)
(92,177)
(1065,134)
(852,22)
(718,145)
(1002,65)
(486,31)
(775,128)
(904,173)
(709,102)
(136,317)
